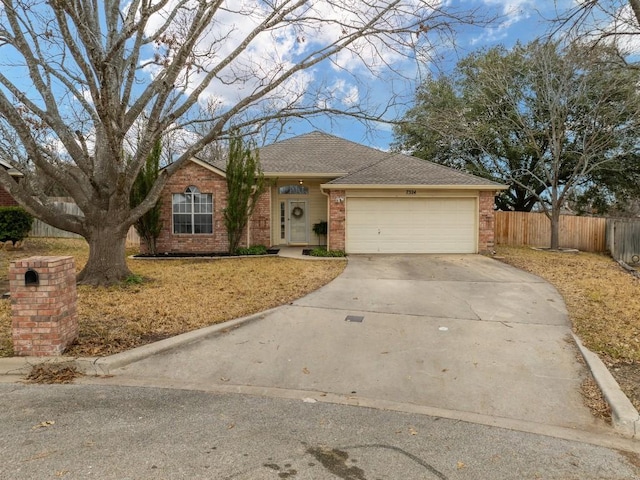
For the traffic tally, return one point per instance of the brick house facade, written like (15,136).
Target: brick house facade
(337,218)
(207,181)
(302,174)
(486,220)
(6,199)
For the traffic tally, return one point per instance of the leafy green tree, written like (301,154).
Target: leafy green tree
(245,184)
(438,127)
(545,118)
(613,191)
(149,225)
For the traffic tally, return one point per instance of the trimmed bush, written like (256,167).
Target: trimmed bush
(15,224)
(323,252)
(254,250)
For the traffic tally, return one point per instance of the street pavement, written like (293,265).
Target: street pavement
(122,433)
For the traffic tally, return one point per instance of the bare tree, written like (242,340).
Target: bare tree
(78,76)
(611,20)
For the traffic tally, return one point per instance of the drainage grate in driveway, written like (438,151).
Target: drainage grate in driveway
(354,318)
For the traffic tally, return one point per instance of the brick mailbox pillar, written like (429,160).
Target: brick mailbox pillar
(43,305)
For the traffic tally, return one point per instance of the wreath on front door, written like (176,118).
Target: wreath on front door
(297,212)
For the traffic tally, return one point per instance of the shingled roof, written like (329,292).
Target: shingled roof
(350,163)
(317,153)
(399,169)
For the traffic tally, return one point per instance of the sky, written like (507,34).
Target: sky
(341,82)
(517,21)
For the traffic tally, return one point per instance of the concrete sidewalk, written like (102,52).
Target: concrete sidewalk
(457,333)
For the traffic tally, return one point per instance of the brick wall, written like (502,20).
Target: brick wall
(207,182)
(44,316)
(260,223)
(6,200)
(337,220)
(486,217)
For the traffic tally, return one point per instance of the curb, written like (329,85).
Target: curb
(22,365)
(624,417)
(104,365)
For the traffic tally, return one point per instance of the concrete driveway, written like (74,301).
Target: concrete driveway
(461,333)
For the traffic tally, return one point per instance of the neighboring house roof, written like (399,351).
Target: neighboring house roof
(12,171)
(348,163)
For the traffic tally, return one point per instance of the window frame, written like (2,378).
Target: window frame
(298,189)
(194,209)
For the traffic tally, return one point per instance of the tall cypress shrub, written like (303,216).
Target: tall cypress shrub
(245,184)
(148,225)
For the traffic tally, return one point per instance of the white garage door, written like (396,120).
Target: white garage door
(411,225)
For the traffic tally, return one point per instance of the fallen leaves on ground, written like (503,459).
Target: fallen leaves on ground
(44,424)
(594,400)
(177,296)
(53,373)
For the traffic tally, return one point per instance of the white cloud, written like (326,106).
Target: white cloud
(510,12)
(351,96)
(622,28)
(310,28)
(86,94)
(340,94)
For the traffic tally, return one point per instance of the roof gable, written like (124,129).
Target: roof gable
(349,163)
(317,153)
(212,166)
(10,169)
(400,169)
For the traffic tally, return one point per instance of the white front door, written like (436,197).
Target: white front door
(298,228)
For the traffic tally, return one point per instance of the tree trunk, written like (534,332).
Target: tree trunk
(555,228)
(107,262)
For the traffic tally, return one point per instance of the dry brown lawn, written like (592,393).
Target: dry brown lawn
(603,301)
(176,296)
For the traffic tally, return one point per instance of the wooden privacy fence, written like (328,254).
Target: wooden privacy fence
(41,229)
(623,239)
(523,228)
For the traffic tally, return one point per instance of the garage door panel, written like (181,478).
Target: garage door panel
(415,225)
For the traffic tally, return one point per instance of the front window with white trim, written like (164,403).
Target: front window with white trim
(192,211)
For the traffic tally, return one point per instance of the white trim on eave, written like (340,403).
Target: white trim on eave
(208,166)
(332,175)
(338,186)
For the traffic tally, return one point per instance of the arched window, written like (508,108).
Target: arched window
(293,190)
(192,211)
